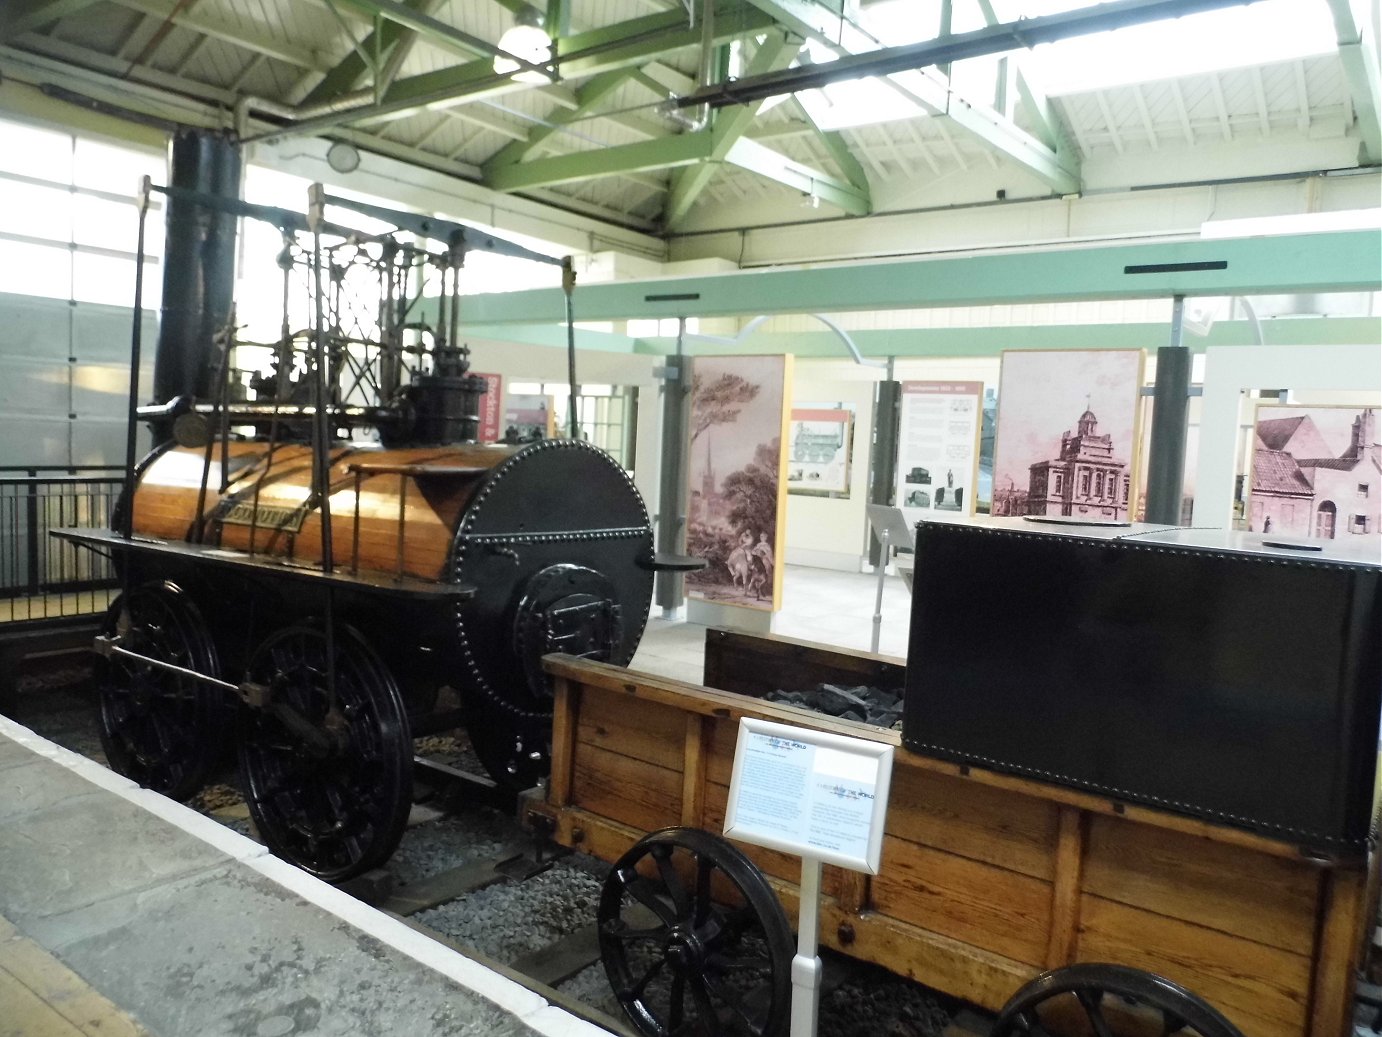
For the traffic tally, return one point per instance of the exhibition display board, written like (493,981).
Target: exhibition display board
(819,448)
(938,446)
(1067,433)
(736,472)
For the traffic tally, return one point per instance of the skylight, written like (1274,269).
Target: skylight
(1233,37)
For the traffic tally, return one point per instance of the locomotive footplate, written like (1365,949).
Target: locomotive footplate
(405,586)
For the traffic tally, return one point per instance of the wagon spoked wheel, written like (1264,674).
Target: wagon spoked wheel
(328,780)
(160,728)
(1096,1000)
(694,941)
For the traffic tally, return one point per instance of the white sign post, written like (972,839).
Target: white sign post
(820,796)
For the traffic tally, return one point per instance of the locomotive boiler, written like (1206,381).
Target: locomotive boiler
(319,563)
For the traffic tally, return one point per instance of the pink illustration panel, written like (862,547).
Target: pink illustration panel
(1067,444)
(736,510)
(1316,473)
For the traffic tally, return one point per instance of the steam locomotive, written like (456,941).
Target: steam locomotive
(318,563)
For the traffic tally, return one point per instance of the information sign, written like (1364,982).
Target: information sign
(491,408)
(938,446)
(810,793)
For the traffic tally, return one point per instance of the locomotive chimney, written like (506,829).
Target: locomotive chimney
(198,269)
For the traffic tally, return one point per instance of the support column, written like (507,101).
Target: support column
(671,496)
(883,450)
(1170,420)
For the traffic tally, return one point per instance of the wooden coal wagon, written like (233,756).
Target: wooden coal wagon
(987,879)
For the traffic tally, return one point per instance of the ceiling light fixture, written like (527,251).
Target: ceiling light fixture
(527,41)
(343,157)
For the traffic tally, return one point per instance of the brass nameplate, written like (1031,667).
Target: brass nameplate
(265,516)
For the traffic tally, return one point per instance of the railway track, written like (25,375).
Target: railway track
(469,876)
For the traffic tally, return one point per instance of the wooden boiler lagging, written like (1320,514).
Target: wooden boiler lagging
(553,537)
(267,508)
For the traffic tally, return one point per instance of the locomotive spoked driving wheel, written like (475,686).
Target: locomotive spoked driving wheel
(1096,1000)
(160,728)
(694,941)
(327,773)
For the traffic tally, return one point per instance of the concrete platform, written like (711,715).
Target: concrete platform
(124,913)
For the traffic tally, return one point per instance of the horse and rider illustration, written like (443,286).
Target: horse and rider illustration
(751,564)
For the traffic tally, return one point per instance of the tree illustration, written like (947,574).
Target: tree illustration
(752,492)
(718,402)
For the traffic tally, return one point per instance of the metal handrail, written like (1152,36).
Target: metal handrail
(43,580)
(62,480)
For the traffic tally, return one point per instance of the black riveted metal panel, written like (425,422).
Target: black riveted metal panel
(557,507)
(1236,684)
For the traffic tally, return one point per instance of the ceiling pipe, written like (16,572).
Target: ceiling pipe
(994,39)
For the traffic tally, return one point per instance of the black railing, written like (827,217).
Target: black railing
(42,577)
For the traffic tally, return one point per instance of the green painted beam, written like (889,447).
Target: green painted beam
(438,32)
(1050,129)
(763,160)
(634,41)
(774,53)
(622,45)
(1358,54)
(347,75)
(838,149)
(20,16)
(991,341)
(662,153)
(805,17)
(552,335)
(558,18)
(588,98)
(1342,261)
(1060,171)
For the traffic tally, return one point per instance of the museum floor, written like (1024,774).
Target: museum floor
(819,605)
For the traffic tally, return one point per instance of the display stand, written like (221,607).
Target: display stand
(892,530)
(807,968)
(821,796)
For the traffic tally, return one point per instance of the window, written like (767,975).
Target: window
(1084,484)
(1098,484)
(1060,483)
(1363,491)
(607,414)
(1360,524)
(664,327)
(69,227)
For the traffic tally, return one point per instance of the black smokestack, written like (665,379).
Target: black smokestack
(198,268)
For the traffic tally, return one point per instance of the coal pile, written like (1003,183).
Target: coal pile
(864,704)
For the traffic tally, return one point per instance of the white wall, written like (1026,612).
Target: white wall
(1111,216)
(519,362)
(64,381)
(1229,372)
(824,532)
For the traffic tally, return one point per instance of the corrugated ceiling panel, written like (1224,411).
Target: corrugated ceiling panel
(102,27)
(177,47)
(270,78)
(1324,79)
(1240,95)
(219,63)
(307,25)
